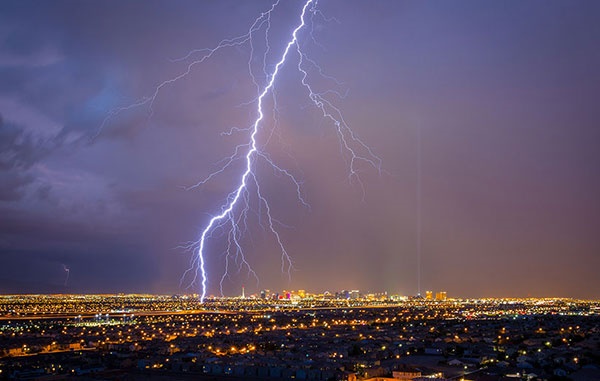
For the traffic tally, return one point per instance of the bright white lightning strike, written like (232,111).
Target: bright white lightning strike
(234,212)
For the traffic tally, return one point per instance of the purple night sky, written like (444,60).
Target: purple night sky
(505,96)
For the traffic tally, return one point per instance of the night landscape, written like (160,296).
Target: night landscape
(314,190)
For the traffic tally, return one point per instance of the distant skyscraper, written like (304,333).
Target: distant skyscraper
(440,296)
(429,295)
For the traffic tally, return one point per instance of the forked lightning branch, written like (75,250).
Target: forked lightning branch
(233,216)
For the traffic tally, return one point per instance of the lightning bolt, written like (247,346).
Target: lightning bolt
(233,218)
(68,271)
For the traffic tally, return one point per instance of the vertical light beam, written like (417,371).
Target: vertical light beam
(419,227)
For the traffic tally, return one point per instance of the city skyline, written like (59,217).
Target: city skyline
(168,337)
(483,114)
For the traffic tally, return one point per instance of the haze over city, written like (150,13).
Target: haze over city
(484,115)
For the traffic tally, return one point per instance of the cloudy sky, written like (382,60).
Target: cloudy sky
(503,95)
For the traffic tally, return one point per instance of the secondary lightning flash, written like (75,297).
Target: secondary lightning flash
(67,271)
